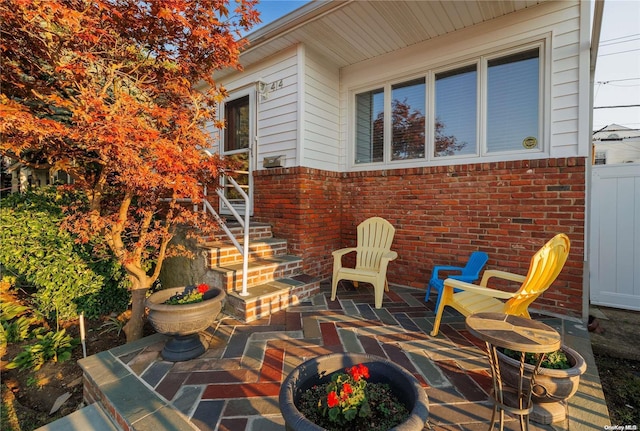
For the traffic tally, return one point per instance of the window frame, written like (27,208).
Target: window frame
(428,73)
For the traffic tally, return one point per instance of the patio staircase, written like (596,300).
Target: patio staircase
(275,279)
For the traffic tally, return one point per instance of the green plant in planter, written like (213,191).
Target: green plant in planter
(555,360)
(348,401)
(190,295)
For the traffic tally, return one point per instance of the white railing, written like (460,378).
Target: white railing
(244,222)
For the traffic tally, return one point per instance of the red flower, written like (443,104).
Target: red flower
(346,388)
(332,399)
(364,371)
(202,288)
(358,372)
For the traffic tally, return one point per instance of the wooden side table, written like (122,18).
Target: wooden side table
(515,333)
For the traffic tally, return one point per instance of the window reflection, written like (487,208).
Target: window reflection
(513,102)
(456,112)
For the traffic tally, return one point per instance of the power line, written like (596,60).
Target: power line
(619,42)
(616,106)
(620,52)
(618,38)
(617,80)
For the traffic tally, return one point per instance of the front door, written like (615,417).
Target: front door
(239,114)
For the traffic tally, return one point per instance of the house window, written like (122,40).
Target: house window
(513,101)
(600,158)
(492,105)
(370,126)
(456,119)
(408,120)
(236,132)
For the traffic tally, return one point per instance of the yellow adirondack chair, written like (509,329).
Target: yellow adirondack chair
(373,254)
(545,266)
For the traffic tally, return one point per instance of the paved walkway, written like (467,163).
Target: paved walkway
(234,385)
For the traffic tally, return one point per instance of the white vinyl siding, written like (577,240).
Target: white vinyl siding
(277,107)
(320,145)
(556,24)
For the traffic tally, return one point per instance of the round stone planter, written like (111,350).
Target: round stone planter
(552,387)
(183,321)
(318,371)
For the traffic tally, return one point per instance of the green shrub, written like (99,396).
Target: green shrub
(51,346)
(66,277)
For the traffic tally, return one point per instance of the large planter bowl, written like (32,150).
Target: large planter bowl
(318,371)
(550,385)
(183,321)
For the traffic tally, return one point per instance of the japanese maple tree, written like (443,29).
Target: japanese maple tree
(119,93)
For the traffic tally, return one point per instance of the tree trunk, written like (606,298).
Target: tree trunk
(133,328)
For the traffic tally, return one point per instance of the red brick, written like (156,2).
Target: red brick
(441,214)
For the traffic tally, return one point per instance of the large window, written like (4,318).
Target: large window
(513,88)
(407,120)
(369,126)
(456,112)
(490,106)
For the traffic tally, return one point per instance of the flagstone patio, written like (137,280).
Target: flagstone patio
(234,385)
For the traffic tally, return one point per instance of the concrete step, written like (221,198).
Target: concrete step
(92,417)
(267,298)
(260,271)
(222,253)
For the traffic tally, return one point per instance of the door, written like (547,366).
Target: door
(615,236)
(239,114)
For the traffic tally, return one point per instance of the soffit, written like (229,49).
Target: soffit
(348,32)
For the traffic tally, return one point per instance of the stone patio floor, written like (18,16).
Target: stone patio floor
(234,385)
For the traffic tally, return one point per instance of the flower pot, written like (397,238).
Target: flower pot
(551,385)
(183,321)
(318,371)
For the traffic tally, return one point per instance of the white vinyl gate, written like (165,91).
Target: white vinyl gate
(615,236)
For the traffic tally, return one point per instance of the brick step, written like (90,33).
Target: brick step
(229,277)
(222,253)
(267,298)
(257,231)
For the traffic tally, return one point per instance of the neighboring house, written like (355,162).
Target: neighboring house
(466,124)
(22,177)
(616,144)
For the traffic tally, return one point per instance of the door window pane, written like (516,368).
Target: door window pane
(456,112)
(407,120)
(369,126)
(236,133)
(513,101)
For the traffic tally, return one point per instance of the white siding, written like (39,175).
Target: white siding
(277,113)
(558,21)
(320,145)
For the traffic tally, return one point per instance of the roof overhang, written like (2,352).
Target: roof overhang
(346,32)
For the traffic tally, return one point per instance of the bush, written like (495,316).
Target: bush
(67,280)
(50,346)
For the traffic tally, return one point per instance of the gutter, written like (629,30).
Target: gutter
(598,13)
(311,11)
(596,28)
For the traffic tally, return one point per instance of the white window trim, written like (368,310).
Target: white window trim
(543,42)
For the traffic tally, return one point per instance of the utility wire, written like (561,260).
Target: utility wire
(620,52)
(617,80)
(616,106)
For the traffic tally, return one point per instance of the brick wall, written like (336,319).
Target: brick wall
(441,214)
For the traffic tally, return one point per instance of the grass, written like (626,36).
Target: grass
(620,380)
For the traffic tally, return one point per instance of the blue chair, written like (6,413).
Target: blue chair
(469,273)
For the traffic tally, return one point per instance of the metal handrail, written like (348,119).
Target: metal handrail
(244,248)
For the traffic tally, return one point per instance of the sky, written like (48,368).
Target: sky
(617,79)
